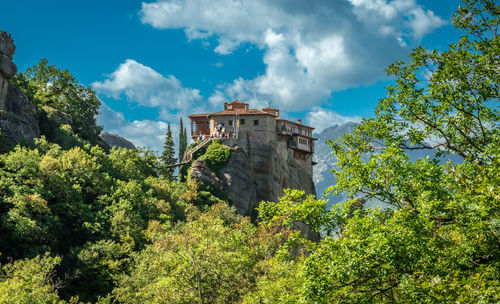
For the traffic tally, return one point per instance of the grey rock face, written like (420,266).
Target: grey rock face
(200,173)
(7,68)
(238,182)
(236,179)
(17,113)
(256,171)
(7,44)
(114,140)
(274,169)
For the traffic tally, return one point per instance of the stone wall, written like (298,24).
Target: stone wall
(266,123)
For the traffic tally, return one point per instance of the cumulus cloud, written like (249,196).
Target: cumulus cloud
(323,118)
(311,48)
(407,14)
(142,133)
(226,46)
(145,86)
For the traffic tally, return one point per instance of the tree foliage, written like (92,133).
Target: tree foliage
(77,223)
(182,140)
(439,239)
(29,281)
(90,207)
(209,259)
(48,86)
(168,155)
(216,155)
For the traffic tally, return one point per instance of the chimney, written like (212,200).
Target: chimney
(300,121)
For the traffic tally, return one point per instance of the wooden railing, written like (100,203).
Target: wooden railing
(189,155)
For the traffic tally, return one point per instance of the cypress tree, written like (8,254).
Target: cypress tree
(182,140)
(185,140)
(168,154)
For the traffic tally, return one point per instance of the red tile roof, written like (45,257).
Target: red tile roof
(243,111)
(240,112)
(293,122)
(237,102)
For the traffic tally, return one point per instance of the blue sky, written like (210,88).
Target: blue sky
(152,62)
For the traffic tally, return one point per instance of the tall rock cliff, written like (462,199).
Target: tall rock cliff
(274,167)
(17,113)
(258,170)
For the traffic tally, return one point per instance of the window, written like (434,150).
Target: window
(242,121)
(256,122)
(230,122)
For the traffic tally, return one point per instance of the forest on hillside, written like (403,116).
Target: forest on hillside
(79,224)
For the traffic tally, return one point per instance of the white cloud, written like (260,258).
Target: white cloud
(409,15)
(148,88)
(423,22)
(321,119)
(142,133)
(311,48)
(145,86)
(226,46)
(218,64)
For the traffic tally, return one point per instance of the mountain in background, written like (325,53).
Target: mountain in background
(326,161)
(116,141)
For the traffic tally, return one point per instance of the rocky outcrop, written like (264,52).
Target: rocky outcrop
(58,117)
(239,182)
(114,140)
(257,171)
(17,113)
(274,167)
(201,174)
(7,48)
(235,179)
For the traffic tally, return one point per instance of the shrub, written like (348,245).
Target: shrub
(216,156)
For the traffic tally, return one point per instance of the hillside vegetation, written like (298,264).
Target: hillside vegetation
(81,225)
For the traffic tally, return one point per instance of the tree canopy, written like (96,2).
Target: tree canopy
(52,88)
(168,155)
(438,239)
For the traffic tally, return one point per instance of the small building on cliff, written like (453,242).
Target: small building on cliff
(271,153)
(240,123)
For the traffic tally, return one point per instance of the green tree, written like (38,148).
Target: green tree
(439,239)
(168,155)
(91,208)
(49,86)
(4,145)
(209,259)
(30,281)
(182,140)
(216,155)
